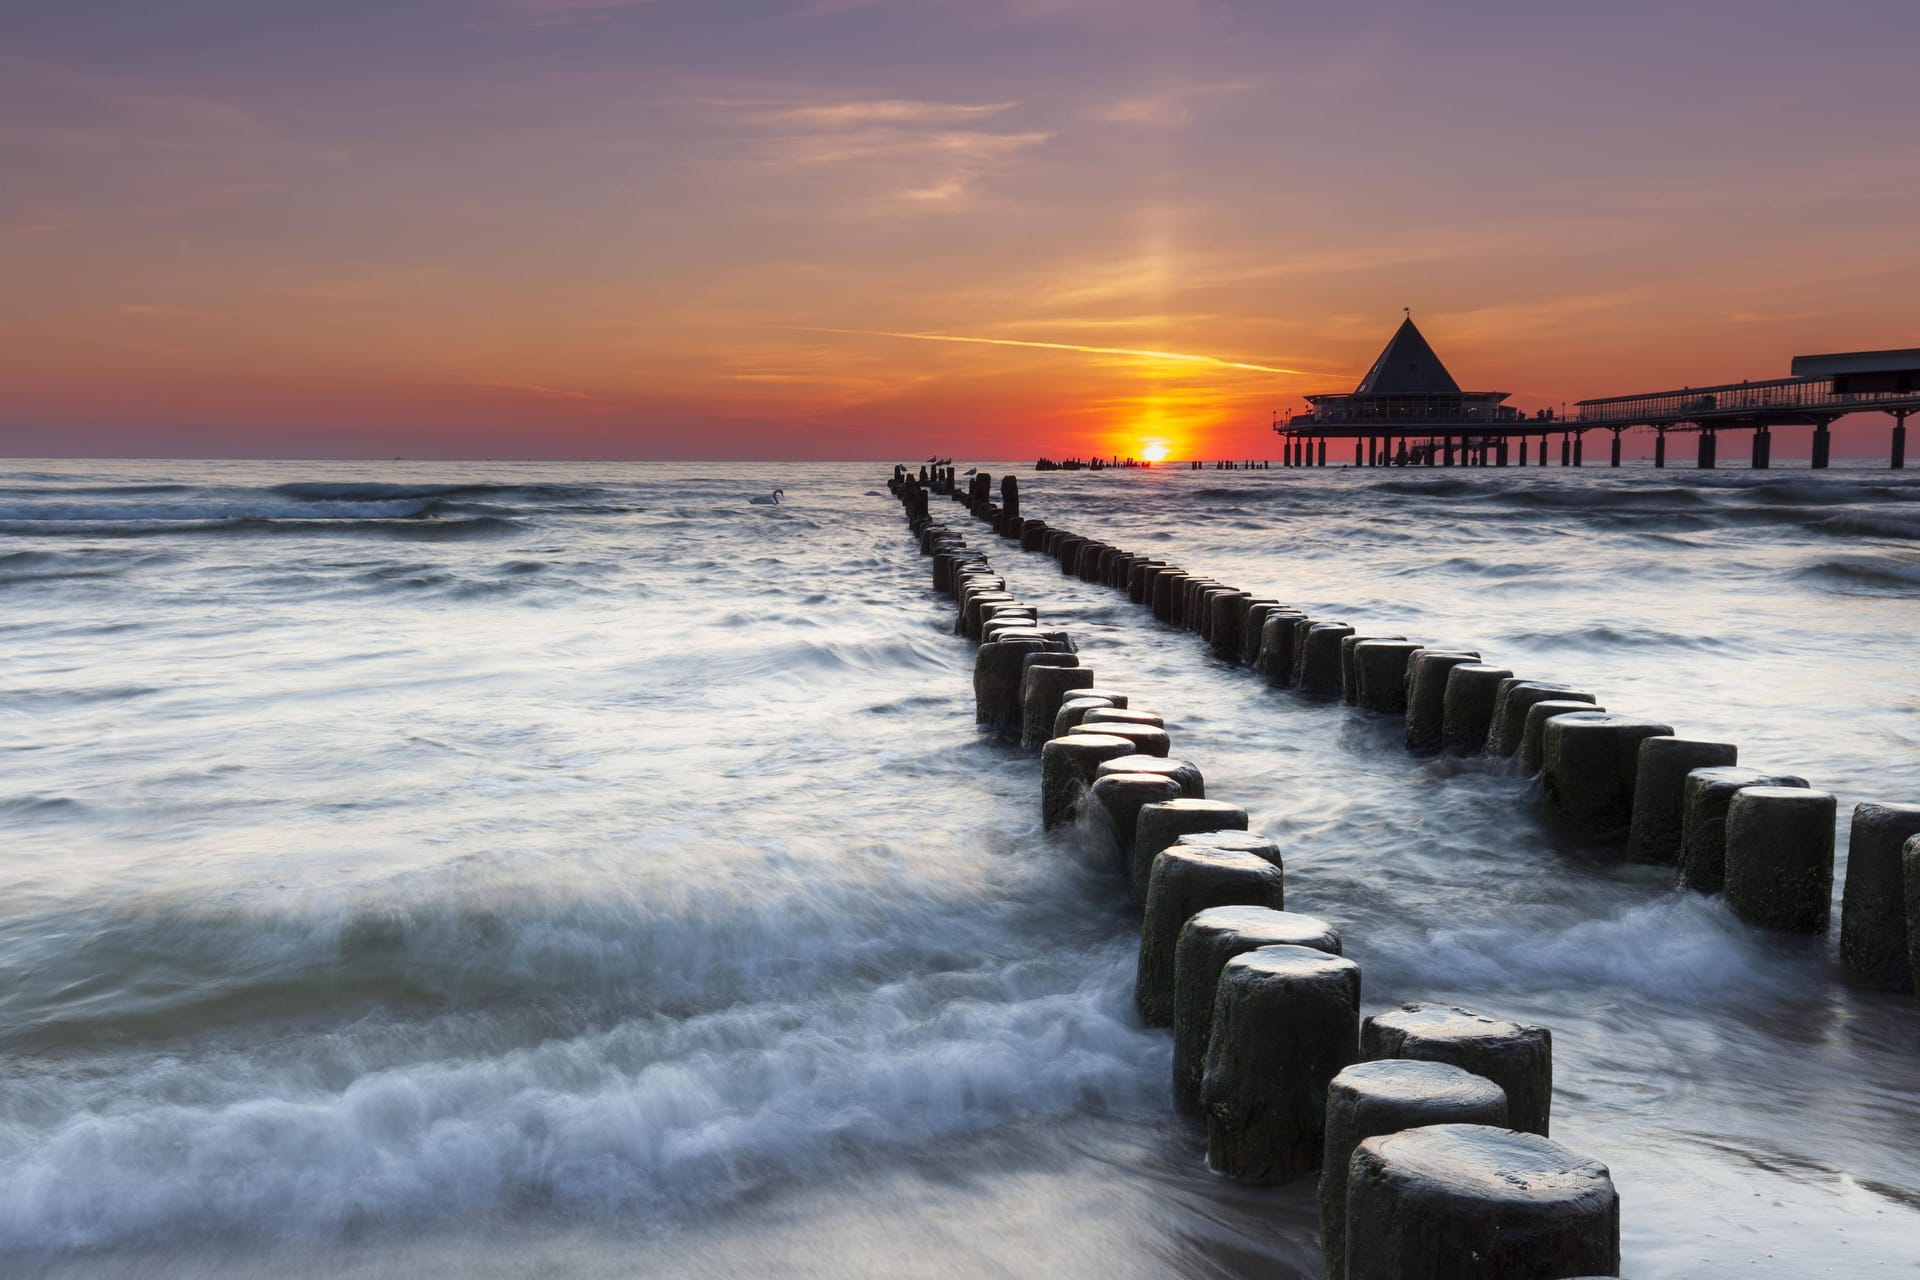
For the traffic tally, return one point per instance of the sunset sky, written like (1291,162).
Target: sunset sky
(881,228)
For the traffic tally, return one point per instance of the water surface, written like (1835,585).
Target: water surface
(507,868)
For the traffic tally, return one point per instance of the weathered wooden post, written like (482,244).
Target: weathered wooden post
(1873,918)
(1284,1023)
(1780,857)
(1451,1201)
(1372,1099)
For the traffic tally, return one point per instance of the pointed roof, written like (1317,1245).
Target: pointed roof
(1407,367)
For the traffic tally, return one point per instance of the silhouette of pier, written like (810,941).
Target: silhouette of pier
(1408,411)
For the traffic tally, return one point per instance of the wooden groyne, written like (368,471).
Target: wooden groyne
(1263,1006)
(1664,798)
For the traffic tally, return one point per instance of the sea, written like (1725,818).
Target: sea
(488,869)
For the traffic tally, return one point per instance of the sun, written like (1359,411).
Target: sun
(1155,452)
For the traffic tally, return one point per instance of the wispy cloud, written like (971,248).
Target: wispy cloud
(888,111)
(1172,357)
(919,152)
(1172,108)
(154,309)
(545,393)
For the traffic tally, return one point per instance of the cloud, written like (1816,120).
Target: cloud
(154,309)
(1172,108)
(1172,357)
(545,393)
(918,151)
(886,111)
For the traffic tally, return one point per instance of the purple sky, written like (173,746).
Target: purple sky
(653,228)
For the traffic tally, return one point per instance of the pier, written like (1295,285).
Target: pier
(1409,411)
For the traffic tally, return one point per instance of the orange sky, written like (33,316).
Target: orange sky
(747,228)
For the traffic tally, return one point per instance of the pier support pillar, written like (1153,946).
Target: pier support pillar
(1614,458)
(1447,451)
(1543,452)
(1502,451)
(1523,451)
(1566,450)
(1762,442)
(1822,445)
(1659,447)
(1359,448)
(1323,451)
(1578,440)
(1707,455)
(1899,441)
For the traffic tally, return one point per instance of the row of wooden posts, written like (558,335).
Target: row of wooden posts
(1428,1123)
(1762,837)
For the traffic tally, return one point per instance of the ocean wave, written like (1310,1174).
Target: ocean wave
(50,697)
(1864,573)
(205,509)
(1587,637)
(1870,524)
(478,931)
(651,1115)
(1808,493)
(38,806)
(1435,488)
(1476,567)
(378,491)
(1586,499)
(95,490)
(1681,946)
(404,527)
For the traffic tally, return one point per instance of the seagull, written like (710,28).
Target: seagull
(767,499)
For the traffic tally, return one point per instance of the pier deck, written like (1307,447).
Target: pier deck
(1823,388)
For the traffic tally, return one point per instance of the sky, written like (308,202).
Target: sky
(883,229)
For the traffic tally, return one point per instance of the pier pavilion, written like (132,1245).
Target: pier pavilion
(1408,411)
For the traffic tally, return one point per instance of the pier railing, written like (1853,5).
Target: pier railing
(1778,400)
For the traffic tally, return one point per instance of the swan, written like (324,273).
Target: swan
(767,499)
